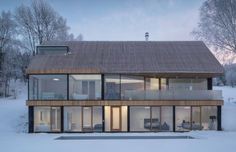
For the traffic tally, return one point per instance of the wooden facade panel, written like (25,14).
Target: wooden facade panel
(128,103)
(64,71)
(96,71)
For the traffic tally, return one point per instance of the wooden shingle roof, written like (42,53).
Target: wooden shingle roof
(137,57)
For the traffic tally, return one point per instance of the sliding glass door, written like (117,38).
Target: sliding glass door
(47,119)
(115,118)
(55,119)
(155,119)
(87,118)
(196,118)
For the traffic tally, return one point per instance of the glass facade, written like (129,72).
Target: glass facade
(124,118)
(85,87)
(118,87)
(47,87)
(118,118)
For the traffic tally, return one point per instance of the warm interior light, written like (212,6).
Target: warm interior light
(56,79)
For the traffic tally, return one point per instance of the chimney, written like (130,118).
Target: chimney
(146,36)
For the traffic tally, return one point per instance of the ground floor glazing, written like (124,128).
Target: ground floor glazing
(123,118)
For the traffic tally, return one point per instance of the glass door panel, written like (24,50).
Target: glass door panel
(183,118)
(55,119)
(91,89)
(156,119)
(116,118)
(196,118)
(87,118)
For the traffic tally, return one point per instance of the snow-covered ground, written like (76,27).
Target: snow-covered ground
(229,108)
(13,136)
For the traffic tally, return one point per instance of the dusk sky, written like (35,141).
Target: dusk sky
(125,19)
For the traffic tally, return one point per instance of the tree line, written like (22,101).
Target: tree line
(217,28)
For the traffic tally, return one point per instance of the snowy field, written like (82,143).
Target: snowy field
(13,136)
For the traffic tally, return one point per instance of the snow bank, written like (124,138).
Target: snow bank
(13,112)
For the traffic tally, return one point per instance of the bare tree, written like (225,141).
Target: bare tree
(7,31)
(217,24)
(7,37)
(39,22)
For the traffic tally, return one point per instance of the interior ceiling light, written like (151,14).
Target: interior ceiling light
(56,79)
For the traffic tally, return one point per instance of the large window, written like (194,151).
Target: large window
(164,84)
(55,118)
(166,118)
(140,118)
(112,87)
(47,119)
(196,118)
(182,117)
(209,117)
(107,112)
(47,87)
(152,87)
(152,84)
(72,119)
(132,87)
(49,50)
(188,84)
(154,118)
(97,119)
(42,119)
(87,119)
(85,87)
(77,119)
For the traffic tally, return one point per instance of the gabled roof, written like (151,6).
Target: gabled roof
(137,57)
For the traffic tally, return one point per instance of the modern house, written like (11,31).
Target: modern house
(123,86)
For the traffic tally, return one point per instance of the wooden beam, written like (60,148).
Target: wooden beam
(127,103)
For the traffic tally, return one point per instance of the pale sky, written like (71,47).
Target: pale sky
(123,20)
